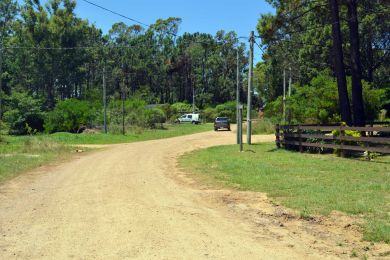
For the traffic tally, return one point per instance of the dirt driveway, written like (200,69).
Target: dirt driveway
(124,202)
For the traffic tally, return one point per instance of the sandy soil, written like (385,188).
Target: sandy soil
(131,201)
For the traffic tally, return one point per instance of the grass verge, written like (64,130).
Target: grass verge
(140,135)
(309,183)
(18,154)
(21,153)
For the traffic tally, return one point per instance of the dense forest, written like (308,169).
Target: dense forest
(335,55)
(51,55)
(53,65)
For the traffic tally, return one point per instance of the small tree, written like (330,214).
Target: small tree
(154,117)
(25,111)
(70,116)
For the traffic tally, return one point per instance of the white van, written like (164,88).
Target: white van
(189,118)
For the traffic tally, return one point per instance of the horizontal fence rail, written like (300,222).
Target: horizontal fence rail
(334,137)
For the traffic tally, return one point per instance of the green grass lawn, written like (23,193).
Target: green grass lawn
(21,153)
(147,134)
(309,183)
(18,154)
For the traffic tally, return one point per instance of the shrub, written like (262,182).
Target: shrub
(134,114)
(26,111)
(4,129)
(154,117)
(169,112)
(70,116)
(180,107)
(263,126)
(227,109)
(209,114)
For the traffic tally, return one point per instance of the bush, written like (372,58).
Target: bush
(228,110)
(154,117)
(70,116)
(209,114)
(134,112)
(25,113)
(263,126)
(169,112)
(180,107)
(137,115)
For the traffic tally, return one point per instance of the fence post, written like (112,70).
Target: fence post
(300,139)
(277,135)
(342,134)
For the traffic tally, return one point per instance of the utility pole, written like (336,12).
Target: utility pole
(290,84)
(104,100)
(284,96)
(123,107)
(250,83)
(239,127)
(193,99)
(238,96)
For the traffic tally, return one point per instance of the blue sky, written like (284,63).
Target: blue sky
(198,15)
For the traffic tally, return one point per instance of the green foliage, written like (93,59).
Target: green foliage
(137,115)
(181,107)
(209,114)
(70,116)
(309,51)
(154,118)
(25,111)
(317,102)
(228,110)
(263,126)
(169,112)
(374,99)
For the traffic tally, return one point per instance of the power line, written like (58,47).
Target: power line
(68,48)
(116,13)
(106,47)
(142,23)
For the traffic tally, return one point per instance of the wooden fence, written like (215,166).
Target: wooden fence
(334,137)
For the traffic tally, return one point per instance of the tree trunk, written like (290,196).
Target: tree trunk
(345,109)
(50,95)
(356,66)
(1,81)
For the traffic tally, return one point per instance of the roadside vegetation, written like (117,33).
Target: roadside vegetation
(132,135)
(308,183)
(22,153)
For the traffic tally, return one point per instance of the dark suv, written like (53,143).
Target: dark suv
(221,122)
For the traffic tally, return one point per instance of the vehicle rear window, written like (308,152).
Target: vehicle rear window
(222,119)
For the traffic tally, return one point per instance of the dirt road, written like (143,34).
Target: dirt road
(123,202)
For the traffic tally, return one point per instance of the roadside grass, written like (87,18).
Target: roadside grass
(21,153)
(309,183)
(136,136)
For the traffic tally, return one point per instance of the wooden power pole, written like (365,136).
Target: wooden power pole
(284,96)
(238,95)
(104,100)
(250,83)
